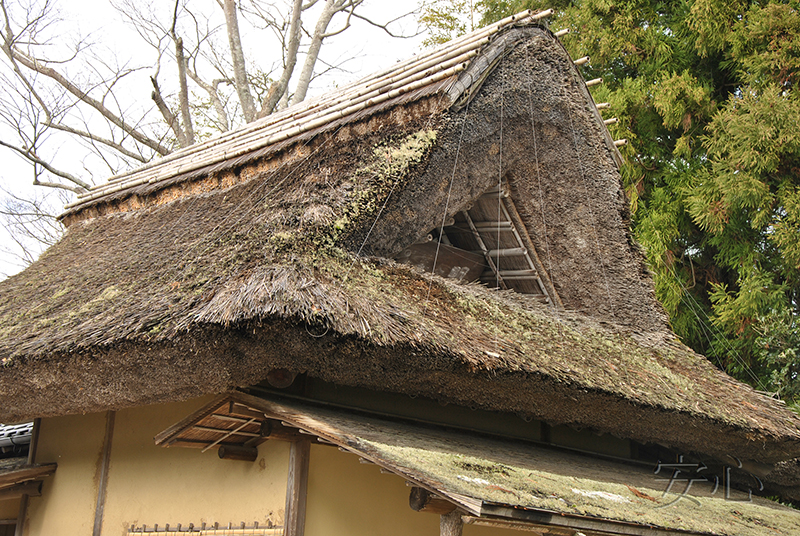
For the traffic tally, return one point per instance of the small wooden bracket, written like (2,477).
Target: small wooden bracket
(422,500)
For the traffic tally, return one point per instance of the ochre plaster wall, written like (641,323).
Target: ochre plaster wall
(9,509)
(68,497)
(149,484)
(348,498)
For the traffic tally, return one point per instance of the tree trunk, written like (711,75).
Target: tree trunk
(277,92)
(237,58)
(330,9)
(183,95)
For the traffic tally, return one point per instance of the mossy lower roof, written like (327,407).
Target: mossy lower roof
(484,475)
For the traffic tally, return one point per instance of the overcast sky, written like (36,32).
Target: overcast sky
(366,49)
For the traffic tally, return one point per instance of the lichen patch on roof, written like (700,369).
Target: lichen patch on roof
(525,477)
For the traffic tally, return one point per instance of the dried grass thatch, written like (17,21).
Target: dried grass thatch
(199,284)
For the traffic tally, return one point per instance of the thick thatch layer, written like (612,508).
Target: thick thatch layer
(207,284)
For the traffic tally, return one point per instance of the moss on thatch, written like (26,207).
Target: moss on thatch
(209,291)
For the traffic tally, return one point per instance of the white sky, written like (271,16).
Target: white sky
(370,48)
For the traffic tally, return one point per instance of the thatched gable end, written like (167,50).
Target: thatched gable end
(204,273)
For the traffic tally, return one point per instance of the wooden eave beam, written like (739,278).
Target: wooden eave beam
(35,472)
(31,489)
(575,523)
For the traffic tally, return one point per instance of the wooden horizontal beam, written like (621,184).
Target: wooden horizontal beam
(29,472)
(493,225)
(31,489)
(280,432)
(241,410)
(235,452)
(194,443)
(507,252)
(594,82)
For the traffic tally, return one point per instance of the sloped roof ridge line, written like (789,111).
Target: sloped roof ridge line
(233,146)
(277,137)
(307,106)
(245,137)
(389,87)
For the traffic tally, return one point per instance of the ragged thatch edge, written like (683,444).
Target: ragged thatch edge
(216,353)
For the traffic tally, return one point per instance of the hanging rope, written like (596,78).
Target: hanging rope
(587,198)
(446,206)
(539,174)
(500,171)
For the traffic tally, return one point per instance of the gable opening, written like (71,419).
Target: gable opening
(486,241)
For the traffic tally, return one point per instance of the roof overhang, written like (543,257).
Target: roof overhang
(17,477)
(493,481)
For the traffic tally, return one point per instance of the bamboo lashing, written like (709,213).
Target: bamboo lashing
(226,436)
(222,431)
(407,76)
(195,164)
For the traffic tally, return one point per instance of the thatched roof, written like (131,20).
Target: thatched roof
(193,282)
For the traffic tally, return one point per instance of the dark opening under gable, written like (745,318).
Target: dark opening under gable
(486,241)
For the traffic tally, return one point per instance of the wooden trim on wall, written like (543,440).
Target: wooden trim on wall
(23,501)
(105,462)
(297,487)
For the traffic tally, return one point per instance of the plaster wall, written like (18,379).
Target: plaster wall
(349,498)
(148,484)
(75,443)
(9,509)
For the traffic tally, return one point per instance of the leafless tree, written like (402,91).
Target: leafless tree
(66,95)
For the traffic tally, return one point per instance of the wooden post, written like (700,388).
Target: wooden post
(297,488)
(451,524)
(104,463)
(23,501)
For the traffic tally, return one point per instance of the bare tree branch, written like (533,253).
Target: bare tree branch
(31,157)
(99,139)
(187,135)
(14,54)
(385,26)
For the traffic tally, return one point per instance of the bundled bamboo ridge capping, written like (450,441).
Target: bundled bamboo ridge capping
(410,75)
